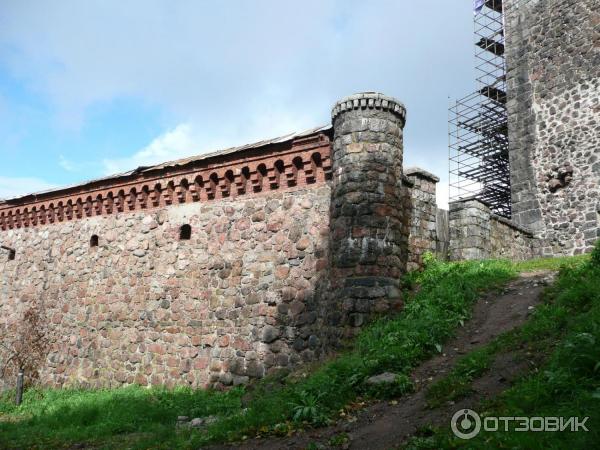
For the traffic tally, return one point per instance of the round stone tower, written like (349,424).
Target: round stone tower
(368,243)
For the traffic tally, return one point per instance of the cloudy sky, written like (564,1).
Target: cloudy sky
(92,88)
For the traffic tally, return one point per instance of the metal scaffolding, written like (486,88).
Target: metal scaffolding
(478,123)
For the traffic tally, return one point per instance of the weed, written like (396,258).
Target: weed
(339,440)
(307,409)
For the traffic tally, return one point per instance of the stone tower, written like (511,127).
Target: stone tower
(367,241)
(554,121)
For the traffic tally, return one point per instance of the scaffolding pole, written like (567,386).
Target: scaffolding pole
(478,123)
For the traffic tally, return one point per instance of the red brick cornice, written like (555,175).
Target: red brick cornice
(300,161)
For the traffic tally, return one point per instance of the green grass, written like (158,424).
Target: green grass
(52,418)
(538,335)
(457,383)
(137,417)
(565,331)
(533,265)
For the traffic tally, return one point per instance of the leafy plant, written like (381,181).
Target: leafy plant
(307,409)
(339,440)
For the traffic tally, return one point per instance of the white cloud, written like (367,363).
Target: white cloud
(191,58)
(219,74)
(189,139)
(215,62)
(14,187)
(176,143)
(68,165)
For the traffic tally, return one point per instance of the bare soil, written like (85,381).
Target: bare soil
(385,425)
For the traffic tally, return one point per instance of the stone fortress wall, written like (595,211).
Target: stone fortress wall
(553,60)
(223,267)
(369,240)
(147,305)
(424,233)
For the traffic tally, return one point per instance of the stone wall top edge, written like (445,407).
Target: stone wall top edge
(511,224)
(421,173)
(458,204)
(216,161)
(407,181)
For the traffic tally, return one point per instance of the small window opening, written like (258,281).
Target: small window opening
(94,241)
(11,255)
(185,232)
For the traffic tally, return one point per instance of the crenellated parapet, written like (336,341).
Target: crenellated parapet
(250,170)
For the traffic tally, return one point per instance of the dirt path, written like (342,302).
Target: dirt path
(384,425)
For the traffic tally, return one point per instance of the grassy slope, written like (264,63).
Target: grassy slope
(537,336)
(566,328)
(142,418)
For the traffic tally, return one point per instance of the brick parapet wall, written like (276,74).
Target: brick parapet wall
(258,171)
